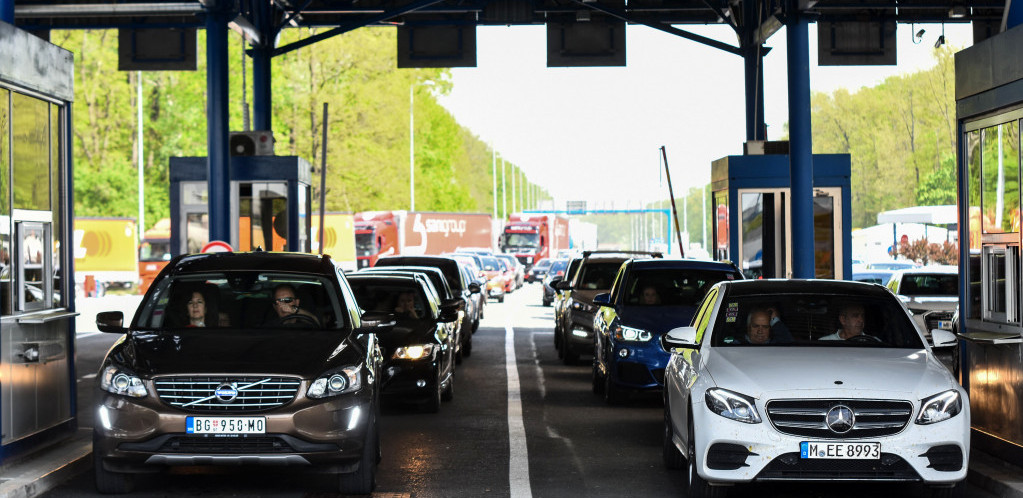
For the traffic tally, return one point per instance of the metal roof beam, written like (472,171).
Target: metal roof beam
(350,26)
(667,28)
(109,9)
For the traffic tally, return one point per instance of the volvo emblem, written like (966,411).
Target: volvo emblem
(226,393)
(840,419)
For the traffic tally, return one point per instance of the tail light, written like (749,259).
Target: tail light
(560,273)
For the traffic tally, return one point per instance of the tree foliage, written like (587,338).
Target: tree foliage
(368,125)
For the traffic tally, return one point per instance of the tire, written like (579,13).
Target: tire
(458,355)
(557,338)
(363,480)
(501,298)
(448,393)
(673,458)
(111,483)
(546,302)
(614,395)
(696,486)
(432,404)
(467,347)
(561,346)
(570,357)
(955,491)
(598,380)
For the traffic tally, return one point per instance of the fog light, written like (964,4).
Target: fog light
(579,333)
(420,383)
(624,353)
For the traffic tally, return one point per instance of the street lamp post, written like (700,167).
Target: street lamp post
(411,147)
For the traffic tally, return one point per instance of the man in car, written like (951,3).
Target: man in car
(764,326)
(286,304)
(852,317)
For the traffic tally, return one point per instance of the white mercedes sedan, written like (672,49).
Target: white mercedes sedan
(810,380)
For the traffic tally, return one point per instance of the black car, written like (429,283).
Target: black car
(538,270)
(649,297)
(419,351)
(562,297)
(596,272)
(241,359)
(557,269)
(461,284)
(440,284)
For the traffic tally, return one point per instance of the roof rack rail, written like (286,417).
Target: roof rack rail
(652,254)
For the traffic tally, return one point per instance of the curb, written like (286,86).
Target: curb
(47,470)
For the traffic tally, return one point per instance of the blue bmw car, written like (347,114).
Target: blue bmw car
(649,297)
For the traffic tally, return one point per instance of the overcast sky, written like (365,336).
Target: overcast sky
(595,133)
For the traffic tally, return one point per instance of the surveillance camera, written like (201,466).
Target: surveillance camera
(940,41)
(920,34)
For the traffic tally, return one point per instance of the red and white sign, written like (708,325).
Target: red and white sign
(216,246)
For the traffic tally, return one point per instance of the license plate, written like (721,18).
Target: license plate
(945,324)
(839,451)
(225,425)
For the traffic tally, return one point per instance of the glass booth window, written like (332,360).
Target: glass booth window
(824,236)
(1000,178)
(974,274)
(1001,266)
(753,234)
(263,216)
(6,270)
(31,151)
(720,210)
(56,167)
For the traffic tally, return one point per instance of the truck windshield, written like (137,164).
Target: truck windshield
(154,250)
(520,240)
(365,244)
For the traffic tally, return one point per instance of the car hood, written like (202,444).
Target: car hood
(289,352)
(657,319)
(407,334)
(773,372)
(933,303)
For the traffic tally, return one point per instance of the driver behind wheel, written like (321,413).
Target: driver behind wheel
(287,305)
(852,317)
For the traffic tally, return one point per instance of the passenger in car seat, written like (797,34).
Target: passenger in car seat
(405,306)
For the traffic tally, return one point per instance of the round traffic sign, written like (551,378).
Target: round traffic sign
(216,246)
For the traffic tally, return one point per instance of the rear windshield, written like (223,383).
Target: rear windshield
(671,286)
(932,284)
(830,320)
(406,300)
(241,299)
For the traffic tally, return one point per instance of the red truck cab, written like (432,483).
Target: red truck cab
(376,235)
(532,237)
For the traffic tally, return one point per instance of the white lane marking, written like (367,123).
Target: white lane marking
(539,371)
(518,458)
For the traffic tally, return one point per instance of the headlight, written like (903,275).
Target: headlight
(341,381)
(632,334)
(732,405)
(940,407)
(118,380)
(416,352)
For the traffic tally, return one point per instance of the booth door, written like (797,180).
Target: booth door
(764,238)
(827,233)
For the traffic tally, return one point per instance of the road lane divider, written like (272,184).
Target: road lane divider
(518,457)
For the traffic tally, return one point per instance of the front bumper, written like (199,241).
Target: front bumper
(410,381)
(914,454)
(579,336)
(145,435)
(642,367)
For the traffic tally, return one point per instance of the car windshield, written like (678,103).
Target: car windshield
(671,286)
(521,240)
(490,264)
(558,265)
(872,277)
(822,320)
(365,245)
(241,299)
(598,275)
(405,300)
(542,264)
(929,284)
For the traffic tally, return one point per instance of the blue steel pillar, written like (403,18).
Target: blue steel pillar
(218,159)
(7,11)
(756,129)
(1014,16)
(262,56)
(800,142)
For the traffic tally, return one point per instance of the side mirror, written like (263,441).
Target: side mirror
(110,321)
(681,337)
(455,303)
(377,319)
(474,288)
(447,315)
(941,338)
(563,285)
(602,299)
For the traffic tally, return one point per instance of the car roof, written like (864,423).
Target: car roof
(935,269)
(695,264)
(803,286)
(288,262)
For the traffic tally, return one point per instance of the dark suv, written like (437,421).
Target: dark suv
(241,359)
(594,276)
(648,298)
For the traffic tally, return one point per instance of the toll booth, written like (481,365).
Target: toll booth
(270,199)
(989,105)
(37,326)
(752,214)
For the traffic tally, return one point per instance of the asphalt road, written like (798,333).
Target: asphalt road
(553,439)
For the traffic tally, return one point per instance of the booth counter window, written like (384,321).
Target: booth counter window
(31,168)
